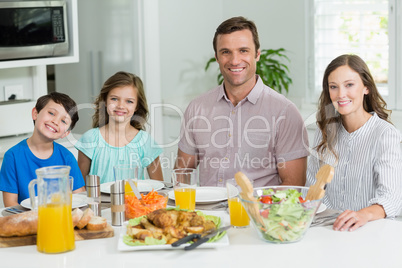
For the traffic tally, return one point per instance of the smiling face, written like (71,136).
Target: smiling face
(346,90)
(52,121)
(237,59)
(121,103)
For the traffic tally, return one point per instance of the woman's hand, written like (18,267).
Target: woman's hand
(351,220)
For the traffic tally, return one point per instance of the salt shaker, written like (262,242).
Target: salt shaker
(93,193)
(117,200)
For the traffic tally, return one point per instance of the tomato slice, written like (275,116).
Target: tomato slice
(265,213)
(301,199)
(266,199)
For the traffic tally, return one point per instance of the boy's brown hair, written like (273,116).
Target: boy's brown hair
(60,98)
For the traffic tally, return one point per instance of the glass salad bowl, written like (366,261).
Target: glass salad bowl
(280,214)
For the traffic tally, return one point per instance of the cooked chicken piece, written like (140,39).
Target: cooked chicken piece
(185,217)
(176,232)
(163,218)
(170,225)
(143,234)
(133,231)
(171,240)
(197,220)
(209,225)
(195,229)
(150,226)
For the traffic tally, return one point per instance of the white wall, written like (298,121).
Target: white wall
(186,41)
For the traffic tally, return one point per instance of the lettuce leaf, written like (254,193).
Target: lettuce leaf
(218,223)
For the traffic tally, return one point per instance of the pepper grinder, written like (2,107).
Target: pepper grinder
(117,202)
(93,193)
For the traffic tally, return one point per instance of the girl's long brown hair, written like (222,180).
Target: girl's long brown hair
(120,79)
(328,120)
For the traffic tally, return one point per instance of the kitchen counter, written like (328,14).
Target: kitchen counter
(377,244)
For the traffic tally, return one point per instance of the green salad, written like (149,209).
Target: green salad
(153,241)
(285,214)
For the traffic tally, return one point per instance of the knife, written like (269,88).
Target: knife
(201,238)
(134,188)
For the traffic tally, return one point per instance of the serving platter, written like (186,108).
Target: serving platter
(224,241)
(143,186)
(78,201)
(207,195)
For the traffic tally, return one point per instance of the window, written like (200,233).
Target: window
(363,27)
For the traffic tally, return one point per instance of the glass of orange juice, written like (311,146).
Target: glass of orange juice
(55,225)
(128,172)
(184,186)
(238,215)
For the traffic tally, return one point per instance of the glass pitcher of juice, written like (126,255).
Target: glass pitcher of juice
(53,202)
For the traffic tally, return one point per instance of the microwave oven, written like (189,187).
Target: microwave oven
(32,29)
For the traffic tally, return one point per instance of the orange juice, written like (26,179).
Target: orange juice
(185,198)
(55,228)
(238,215)
(128,189)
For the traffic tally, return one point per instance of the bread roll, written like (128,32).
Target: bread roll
(77,215)
(22,224)
(97,223)
(86,217)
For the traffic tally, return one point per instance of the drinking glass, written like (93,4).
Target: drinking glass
(128,172)
(55,225)
(184,186)
(238,215)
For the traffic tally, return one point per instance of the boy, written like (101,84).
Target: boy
(54,116)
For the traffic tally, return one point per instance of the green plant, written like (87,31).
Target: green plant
(272,71)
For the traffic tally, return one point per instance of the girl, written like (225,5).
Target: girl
(355,136)
(118,136)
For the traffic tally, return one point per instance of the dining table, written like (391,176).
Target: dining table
(376,244)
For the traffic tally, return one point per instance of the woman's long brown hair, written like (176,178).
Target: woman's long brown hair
(328,119)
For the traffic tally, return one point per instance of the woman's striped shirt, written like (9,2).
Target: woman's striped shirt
(368,171)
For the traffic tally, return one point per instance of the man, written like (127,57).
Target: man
(243,125)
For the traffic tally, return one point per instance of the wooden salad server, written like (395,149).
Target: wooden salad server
(247,194)
(323,176)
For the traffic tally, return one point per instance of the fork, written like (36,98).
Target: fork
(223,204)
(14,210)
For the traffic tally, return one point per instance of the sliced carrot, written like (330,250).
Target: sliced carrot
(148,203)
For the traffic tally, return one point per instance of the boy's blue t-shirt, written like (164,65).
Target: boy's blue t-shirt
(19,165)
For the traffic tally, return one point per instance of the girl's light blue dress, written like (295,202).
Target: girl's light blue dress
(142,150)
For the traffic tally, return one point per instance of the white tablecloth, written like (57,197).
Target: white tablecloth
(377,244)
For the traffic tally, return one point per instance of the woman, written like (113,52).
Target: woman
(356,137)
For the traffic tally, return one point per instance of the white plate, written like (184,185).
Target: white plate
(143,186)
(321,208)
(224,241)
(206,195)
(79,200)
